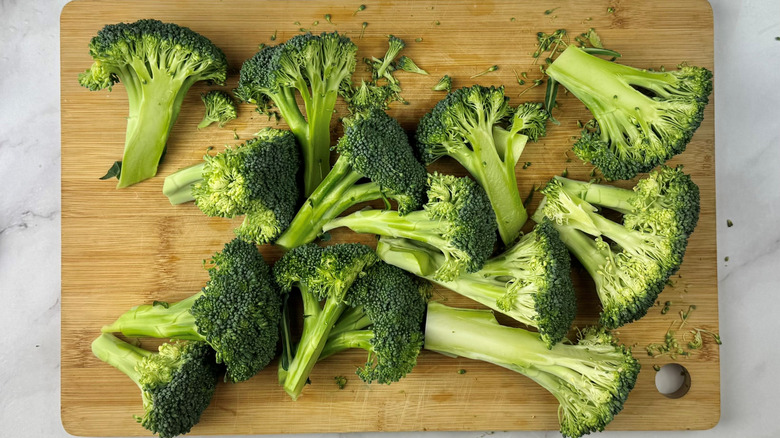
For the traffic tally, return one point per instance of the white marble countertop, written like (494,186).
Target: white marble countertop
(747,63)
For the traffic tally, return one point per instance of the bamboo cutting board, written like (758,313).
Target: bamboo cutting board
(125,247)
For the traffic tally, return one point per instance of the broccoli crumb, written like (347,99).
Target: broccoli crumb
(656,368)
(729,223)
(235,134)
(526,165)
(726,259)
(550,11)
(610,10)
(363,29)
(360,8)
(341,381)
(667,305)
(461,371)
(491,69)
(418,40)
(328,18)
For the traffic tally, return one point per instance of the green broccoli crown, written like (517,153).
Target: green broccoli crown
(177,385)
(394,302)
(239,311)
(322,62)
(590,403)
(220,108)
(665,190)
(530,119)
(467,219)
(324,272)
(257,179)
(465,117)
(377,147)
(161,48)
(540,263)
(644,117)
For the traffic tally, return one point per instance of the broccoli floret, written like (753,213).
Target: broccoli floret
(385,318)
(644,117)
(457,221)
(647,248)
(220,108)
(444,84)
(591,379)
(468,125)
(530,282)
(320,274)
(382,68)
(237,313)
(177,383)
(666,191)
(157,63)
(314,67)
(405,63)
(374,146)
(369,96)
(257,179)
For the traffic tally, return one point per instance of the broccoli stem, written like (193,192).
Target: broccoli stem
(611,197)
(158,321)
(346,340)
(585,250)
(119,354)
(178,185)
(334,195)
(153,111)
(313,340)
(353,318)
(317,154)
(415,225)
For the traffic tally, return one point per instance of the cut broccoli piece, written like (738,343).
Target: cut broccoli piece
(320,274)
(468,126)
(257,179)
(382,68)
(444,84)
(457,221)
(237,313)
(530,282)
(220,108)
(644,117)
(313,67)
(591,380)
(374,146)
(405,63)
(646,249)
(177,383)
(385,318)
(157,63)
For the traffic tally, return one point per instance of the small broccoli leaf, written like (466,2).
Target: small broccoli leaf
(549,98)
(114,171)
(161,304)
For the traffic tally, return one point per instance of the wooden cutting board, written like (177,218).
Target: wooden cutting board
(125,247)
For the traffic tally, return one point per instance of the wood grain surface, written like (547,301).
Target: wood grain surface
(130,246)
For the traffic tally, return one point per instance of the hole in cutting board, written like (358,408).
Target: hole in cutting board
(673,380)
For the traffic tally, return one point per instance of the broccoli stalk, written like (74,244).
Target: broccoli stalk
(385,319)
(374,146)
(457,221)
(319,274)
(644,117)
(648,247)
(237,313)
(591,380)
(530,282)
(157,63)
(177,383)
(313,67)
(257,179)
(467,126)
(220,108)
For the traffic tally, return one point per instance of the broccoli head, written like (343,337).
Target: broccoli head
(374,147)
(643,117)
(385,318)
(315,67)
(220,108)
(177,383)
(320,274)
(257,179)
(457,221)
(157,63)
(477,127)
(237,313)
(591,379)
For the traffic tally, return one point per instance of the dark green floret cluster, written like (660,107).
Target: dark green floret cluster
(643,117)
(257,180)
(177,383)
(157,63)
(629,262)
(237,313)
(477,127)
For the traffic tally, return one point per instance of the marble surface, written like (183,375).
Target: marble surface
(747,59)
